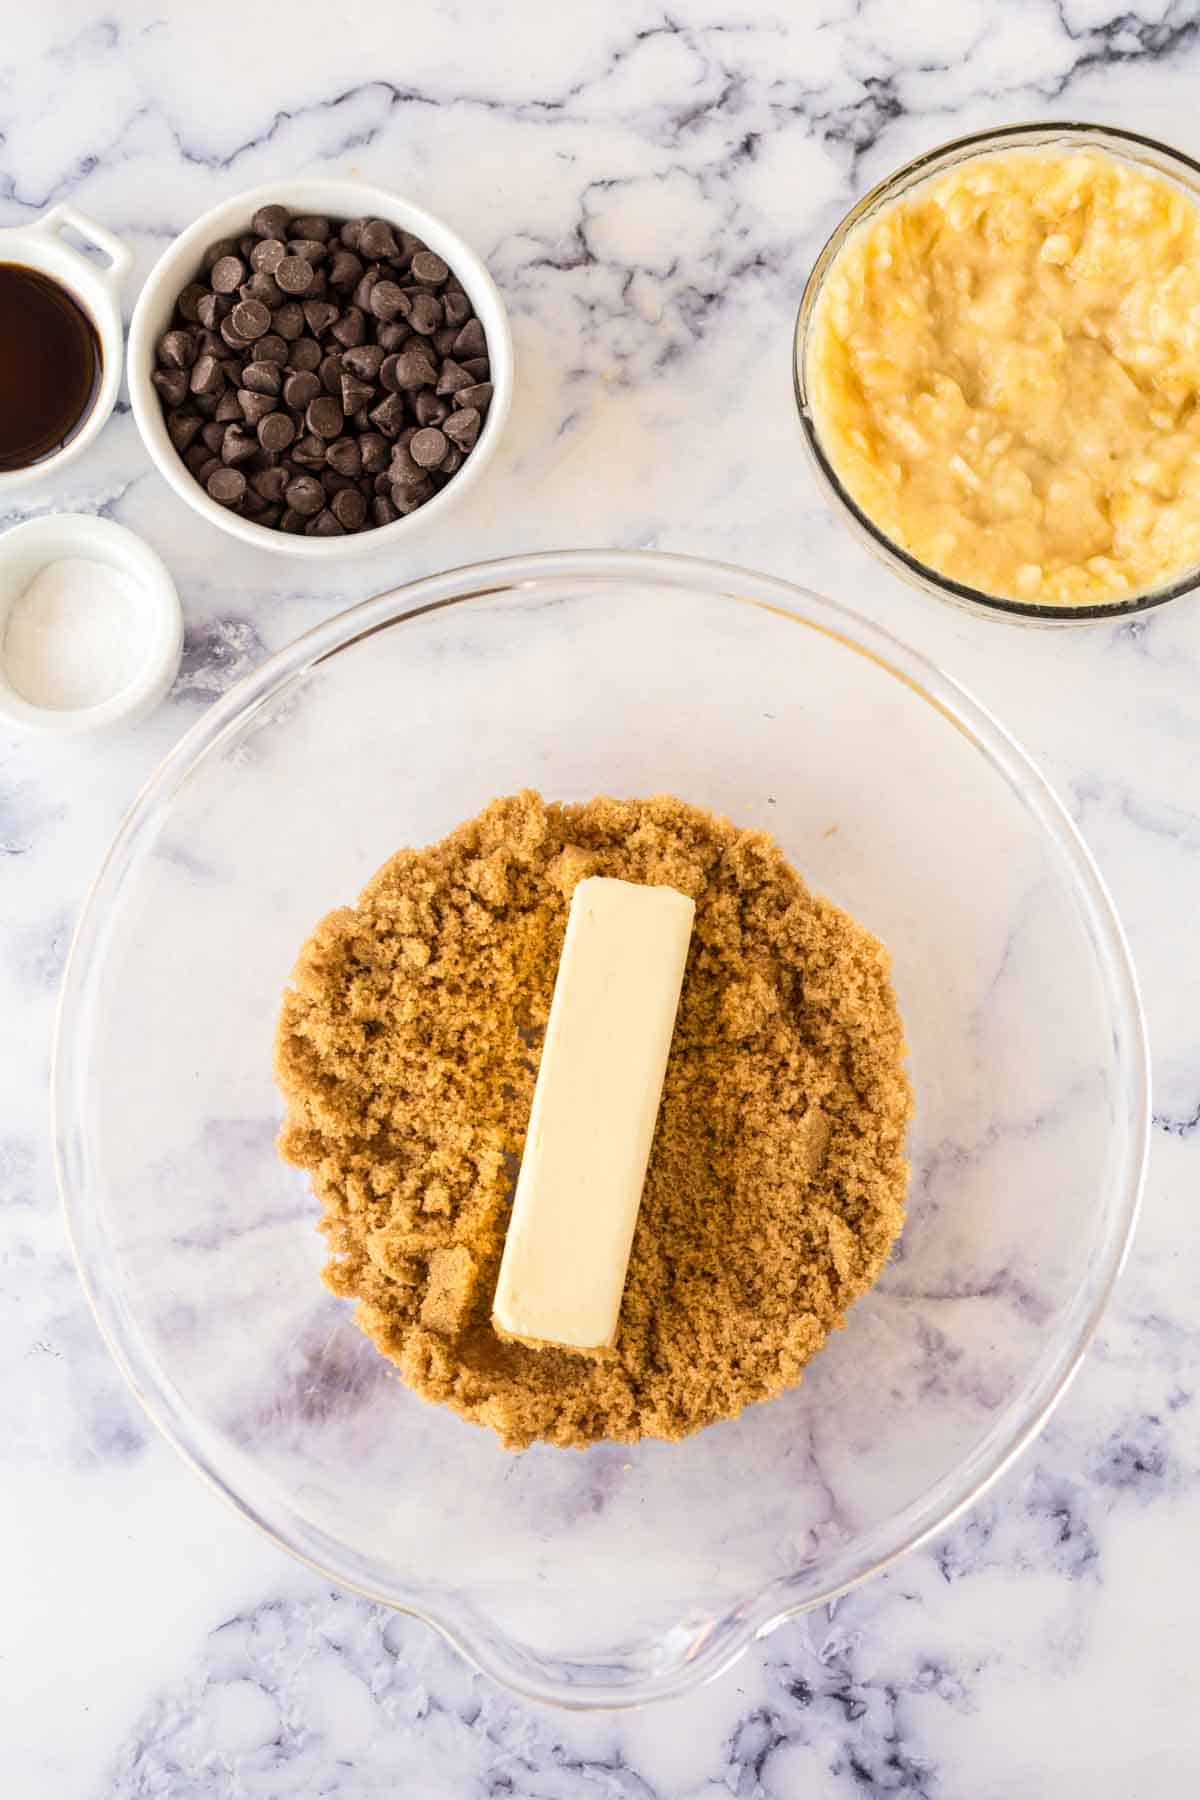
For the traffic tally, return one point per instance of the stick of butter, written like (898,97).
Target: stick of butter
(594,1111)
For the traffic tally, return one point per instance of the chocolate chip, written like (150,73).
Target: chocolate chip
(230,334)
(409,245)
(395,336)
(374,449)
(265,288)
(330,371)
(214,253)
(289,320)
(452,462)
(267,254)
(382,510)
(172,385)
(388,416)
(345,269)
(214,434)
(425,314)
(269,484)
(271,349)
(295,275)
(478,368)
(271,222)
(428,447)
(251,319)
(228,275)
(312,225)
(351,328)
(324,417)
(188,303)
(364,360)
(326,524)
(470,340)
(351,233)
(196,457)
(208,467)
(205,404)
(429,269)
(462,427)
(388,301)
(344,456)
(300,388)
(452,378)
(182,428)
(403,471)
(212,309)
(309,452)
(375,239)
(237,445)
(355,394)
(255,406)
(275,432)
(408,500)
(206,377)
(479,396)
(262,377)
(227,407)
(456,308)
(305,354)
(365,288)
(349,509)
(319,316)
(410,370)
(311,249)
(429,409)
(305,494)
(226,486)
(177,350)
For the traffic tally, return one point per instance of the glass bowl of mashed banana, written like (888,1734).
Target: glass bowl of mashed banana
(997,366)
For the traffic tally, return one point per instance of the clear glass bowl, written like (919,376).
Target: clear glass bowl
(621,1573)
(1130,147)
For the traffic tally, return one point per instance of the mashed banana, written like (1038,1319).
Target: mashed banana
(1004,370)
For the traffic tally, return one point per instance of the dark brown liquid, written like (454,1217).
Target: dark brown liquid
(50,366)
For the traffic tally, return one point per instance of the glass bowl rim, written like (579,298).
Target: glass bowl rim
(996,138)
(588,1683)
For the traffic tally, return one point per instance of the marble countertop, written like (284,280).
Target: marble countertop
(649,188)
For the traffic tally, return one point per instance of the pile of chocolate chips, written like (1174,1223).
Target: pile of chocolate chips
(323,375)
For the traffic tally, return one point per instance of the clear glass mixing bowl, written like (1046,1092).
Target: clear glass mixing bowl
(1059,135)
(618,1574)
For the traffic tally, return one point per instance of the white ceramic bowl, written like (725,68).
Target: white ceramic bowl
(26,550)
(97,288)
(338,199)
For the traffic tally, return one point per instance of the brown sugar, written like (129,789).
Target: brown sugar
(407,1052)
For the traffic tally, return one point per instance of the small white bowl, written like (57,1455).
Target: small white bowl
(180,263)
(42,247)
(26,550)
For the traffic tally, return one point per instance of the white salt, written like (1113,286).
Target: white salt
(74,637)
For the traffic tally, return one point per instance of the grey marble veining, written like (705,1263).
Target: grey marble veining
(649,188)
